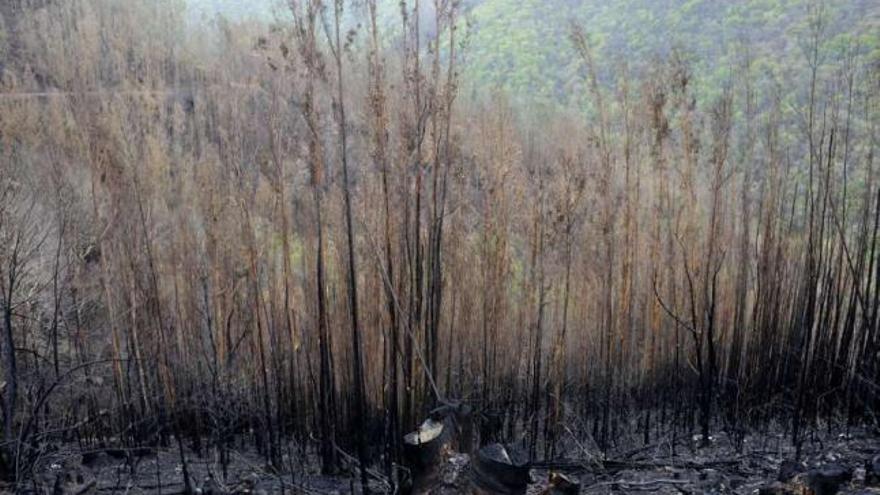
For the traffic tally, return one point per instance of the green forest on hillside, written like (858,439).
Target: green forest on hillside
(522,47)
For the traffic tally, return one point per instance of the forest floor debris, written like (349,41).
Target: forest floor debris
(763,463)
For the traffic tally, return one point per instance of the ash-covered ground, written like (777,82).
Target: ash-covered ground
(760,463)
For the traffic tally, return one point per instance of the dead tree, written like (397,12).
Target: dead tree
(337,48)
(22,234)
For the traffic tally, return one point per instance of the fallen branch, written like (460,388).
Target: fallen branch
(651,485)
(618,465)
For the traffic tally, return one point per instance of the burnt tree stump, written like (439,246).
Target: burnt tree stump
(495,470)
(424,447)
(426,450)
(827,479)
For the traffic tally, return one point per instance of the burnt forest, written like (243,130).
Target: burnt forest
(422,247)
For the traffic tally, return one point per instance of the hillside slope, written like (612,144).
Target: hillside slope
(523,46)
